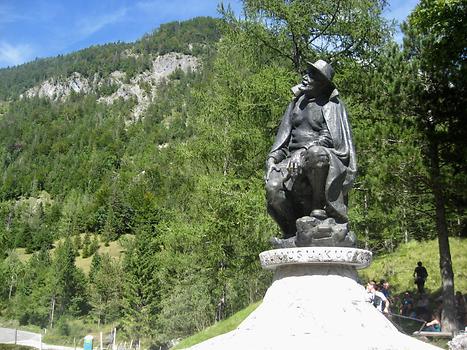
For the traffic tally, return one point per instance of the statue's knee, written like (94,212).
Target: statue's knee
(316,151)
(317,157)
(273,186)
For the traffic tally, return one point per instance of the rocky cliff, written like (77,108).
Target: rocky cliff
(142,87)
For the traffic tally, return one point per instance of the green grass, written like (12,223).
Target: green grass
(114,249)
(71,332)
(221,327)
(15,347)
(398,267)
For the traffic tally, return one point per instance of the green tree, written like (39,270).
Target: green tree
(105,290)
(86,245)
(141,286)
(304,30)
(67,282)
(32,303)
(95,265)
(12,269)
(435,44)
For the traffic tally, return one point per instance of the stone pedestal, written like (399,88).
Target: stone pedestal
(315,303)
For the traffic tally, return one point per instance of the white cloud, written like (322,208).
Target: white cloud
(12,55)
(88,26)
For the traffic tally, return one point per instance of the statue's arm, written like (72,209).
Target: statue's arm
(280,150)
(270,167)
(325,138)
(279,154)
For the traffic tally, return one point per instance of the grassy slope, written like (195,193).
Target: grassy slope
(219,328)
(114,249)
(397,268)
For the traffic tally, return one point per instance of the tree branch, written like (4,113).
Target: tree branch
(322,32)
(270,46)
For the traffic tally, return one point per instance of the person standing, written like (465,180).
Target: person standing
(420,273)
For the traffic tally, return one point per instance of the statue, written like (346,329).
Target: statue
(311,166)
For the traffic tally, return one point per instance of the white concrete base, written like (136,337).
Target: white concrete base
(315,307)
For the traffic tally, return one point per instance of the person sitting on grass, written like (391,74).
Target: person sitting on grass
(434,325)
(407,307)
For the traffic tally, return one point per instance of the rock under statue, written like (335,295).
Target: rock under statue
(311,166)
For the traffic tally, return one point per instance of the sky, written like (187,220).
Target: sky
(32,29)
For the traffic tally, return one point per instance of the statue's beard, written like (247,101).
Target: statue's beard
(311,92)
(302,89)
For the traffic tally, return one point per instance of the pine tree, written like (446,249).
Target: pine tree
(105,290)
(67,282)
(141,286)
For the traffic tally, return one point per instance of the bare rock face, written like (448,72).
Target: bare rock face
(142,87)
(59,90)
(162,67)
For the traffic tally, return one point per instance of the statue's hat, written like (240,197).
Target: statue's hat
(324,69)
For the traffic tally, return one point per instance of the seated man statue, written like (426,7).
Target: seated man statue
(311,166)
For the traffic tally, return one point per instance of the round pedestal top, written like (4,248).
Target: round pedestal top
(359,258)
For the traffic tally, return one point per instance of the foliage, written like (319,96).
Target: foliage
(189,37)
(301,30)
(105,289)
(439,112)
(142,288)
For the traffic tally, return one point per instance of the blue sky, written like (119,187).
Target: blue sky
(44,28)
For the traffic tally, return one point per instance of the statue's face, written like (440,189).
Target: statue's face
(314,84)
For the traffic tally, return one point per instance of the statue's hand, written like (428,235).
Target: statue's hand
(295,163)
(270,167)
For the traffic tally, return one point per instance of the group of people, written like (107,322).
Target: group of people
(417,306)
(423,308)
(378,295)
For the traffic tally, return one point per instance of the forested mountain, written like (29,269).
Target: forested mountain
(180,183)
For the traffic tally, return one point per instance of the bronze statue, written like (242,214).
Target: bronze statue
(311,166)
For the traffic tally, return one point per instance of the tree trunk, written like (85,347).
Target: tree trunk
(52,312)
(10,292)
(448,317)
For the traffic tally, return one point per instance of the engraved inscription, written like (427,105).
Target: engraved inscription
(318,255)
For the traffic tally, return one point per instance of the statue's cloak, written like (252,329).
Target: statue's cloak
(343,164)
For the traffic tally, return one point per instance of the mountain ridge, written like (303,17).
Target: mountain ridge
(192,37)
(142,87)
